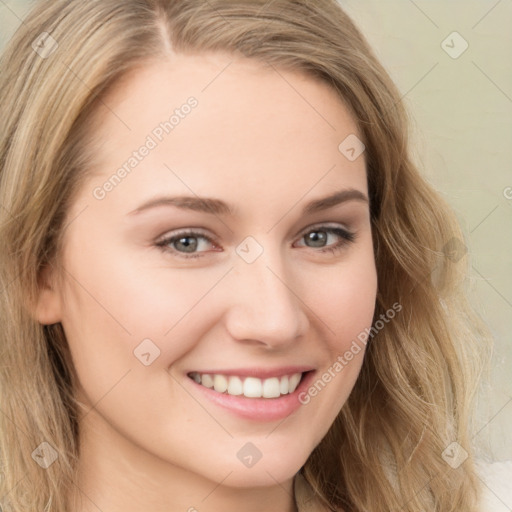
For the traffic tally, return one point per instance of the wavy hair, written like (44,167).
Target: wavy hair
(415,392)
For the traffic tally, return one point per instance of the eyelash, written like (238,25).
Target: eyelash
(346,236)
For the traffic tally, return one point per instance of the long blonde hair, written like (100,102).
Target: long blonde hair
(414,395)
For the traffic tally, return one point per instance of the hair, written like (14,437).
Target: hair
(415,392)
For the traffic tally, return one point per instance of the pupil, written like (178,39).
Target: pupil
(315,238)
(189,247)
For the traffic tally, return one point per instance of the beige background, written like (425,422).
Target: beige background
(462,109)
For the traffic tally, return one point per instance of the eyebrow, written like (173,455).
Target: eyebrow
(218,207)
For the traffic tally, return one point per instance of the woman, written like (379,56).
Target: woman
(171,341)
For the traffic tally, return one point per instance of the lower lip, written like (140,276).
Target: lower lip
(257,409)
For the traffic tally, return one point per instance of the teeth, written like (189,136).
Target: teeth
(205,380)
(283,386)
(235,386)
(220,383)
(271,388)
(251,387)
(294,380)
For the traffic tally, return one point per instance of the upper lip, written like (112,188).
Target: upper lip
(261,373)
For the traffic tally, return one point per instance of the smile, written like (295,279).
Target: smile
(250,387)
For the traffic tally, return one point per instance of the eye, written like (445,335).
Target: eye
(186,240)
(319,235)
(185,244)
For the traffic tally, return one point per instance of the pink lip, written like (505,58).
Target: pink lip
(260,373)
(257,409)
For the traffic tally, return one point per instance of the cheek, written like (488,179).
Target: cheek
(115,311)
(346,301)
(346,306)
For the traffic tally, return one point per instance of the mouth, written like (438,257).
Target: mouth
(248,386)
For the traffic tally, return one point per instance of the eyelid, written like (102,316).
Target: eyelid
(319,225)
(185,231)
(333,228)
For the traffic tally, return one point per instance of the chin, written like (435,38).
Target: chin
(277,466)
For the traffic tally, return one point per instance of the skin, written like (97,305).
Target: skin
(266,142)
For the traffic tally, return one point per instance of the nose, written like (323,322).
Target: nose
(264,306)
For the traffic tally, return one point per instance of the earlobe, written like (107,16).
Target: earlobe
(47,309)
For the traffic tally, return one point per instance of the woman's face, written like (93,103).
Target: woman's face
(259,281)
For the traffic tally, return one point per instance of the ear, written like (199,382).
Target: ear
(48,307)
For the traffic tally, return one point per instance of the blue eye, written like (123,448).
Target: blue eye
(186,243)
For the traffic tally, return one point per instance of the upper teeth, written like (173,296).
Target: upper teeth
(251,387)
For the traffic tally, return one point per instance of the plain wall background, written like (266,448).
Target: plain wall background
(462,136)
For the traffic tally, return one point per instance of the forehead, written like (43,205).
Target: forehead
(252,126)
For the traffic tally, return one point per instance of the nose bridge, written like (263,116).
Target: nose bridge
(263,305)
